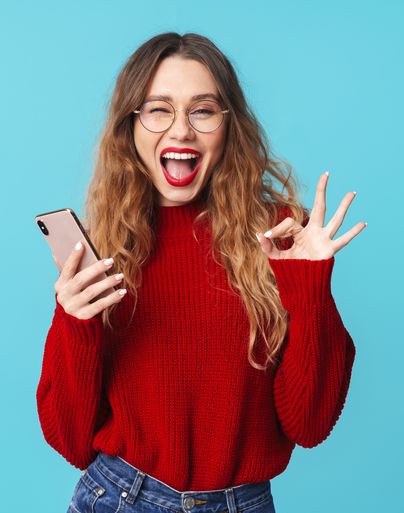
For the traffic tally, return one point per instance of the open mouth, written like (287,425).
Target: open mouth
(180,168)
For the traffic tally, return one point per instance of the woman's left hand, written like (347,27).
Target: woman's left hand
(313,241)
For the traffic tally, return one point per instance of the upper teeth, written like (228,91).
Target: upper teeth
(172,155)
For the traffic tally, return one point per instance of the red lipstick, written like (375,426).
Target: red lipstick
(188,179)
(179,150)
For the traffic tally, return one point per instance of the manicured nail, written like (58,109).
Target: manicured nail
(122,292)
(268,233)
(108,261)
(119,276)
(77,247)
(327,173)
(366,224)
(354,192)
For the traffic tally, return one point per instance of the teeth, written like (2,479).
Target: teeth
(179,156)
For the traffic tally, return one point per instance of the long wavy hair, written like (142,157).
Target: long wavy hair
(240,198)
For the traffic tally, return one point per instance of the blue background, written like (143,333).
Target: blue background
(326,81)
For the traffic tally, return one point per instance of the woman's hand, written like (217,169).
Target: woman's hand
(314,241)
(73,291)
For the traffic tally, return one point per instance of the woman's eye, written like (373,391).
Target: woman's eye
(202,111)
(158,110)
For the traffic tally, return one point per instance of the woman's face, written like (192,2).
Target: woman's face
(180,80)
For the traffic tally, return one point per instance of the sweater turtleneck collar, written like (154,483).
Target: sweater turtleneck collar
(176,221)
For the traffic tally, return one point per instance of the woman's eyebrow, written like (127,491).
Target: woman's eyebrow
(195,97)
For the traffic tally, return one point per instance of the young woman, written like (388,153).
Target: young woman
(187,390)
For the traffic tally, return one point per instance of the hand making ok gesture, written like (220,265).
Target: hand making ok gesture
(314,241)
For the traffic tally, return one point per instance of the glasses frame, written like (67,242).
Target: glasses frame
(187,112)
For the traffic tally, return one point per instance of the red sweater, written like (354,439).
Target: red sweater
(172,391)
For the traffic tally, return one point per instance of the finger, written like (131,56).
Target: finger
(337,219)
(95,289)
(58,264)
(82,279)
(343,240)
(318,212)
(101,304)
(286,228)
(69,269)
(267,246)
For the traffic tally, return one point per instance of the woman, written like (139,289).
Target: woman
(189,389)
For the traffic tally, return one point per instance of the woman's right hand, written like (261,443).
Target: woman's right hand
(73,293)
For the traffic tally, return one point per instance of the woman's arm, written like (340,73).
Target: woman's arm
(312,379)
(69,390)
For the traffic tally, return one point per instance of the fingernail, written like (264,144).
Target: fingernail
(119,276)
(122,292)
(108,261)
(268,233)
(354,192)
(77,247)
(366,224)
(327,173)
(258,237)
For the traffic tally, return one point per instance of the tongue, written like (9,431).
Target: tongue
(178,168)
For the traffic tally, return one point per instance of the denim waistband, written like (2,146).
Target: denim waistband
(135,482)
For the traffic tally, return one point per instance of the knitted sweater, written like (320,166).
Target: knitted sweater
(171,390)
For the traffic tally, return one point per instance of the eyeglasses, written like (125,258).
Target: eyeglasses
(159,115)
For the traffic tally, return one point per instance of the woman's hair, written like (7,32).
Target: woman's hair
(239,198)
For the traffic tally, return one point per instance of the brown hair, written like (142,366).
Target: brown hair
(240,198)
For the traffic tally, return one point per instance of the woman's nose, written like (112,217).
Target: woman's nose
(181,127)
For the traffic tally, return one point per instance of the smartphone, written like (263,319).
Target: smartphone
(62,229)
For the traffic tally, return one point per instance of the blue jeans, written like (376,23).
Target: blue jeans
(111,485)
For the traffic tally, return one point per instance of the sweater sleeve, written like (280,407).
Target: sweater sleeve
(69,391)
(312,379)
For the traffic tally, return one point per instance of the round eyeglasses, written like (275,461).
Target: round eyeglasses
(159,115)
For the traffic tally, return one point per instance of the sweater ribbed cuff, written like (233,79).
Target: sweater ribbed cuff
(302,281)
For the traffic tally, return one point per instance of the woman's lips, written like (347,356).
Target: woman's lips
(183,181)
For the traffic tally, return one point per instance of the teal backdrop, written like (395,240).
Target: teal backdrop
(326,81)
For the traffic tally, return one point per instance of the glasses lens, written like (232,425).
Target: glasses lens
(156,115)
(206,115)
